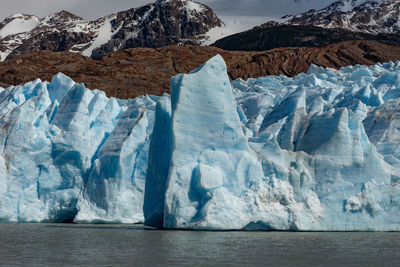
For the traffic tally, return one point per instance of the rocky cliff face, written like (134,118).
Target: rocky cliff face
(132,72)
(160,24)
(165,22)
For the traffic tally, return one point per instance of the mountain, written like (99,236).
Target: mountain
(133,72)
(273,35)
(165,22)
(374,17)
(180,22)
(341,21)
(317,152)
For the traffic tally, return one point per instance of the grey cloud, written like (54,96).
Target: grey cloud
(92,9)
(273,8)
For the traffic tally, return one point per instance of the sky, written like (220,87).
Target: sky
(251,11)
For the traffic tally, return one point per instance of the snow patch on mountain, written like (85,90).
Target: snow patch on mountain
(233,25)
(104,34)
(220,32)
(194,7)
(19,23)
(349,5)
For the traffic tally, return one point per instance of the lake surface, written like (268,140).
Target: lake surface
(129,245)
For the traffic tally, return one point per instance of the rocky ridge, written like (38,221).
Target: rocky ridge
(133,72)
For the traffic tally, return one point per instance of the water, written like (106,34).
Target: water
(127,245)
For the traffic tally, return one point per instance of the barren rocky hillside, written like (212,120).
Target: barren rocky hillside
(132,72)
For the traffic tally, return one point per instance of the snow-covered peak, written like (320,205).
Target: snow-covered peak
(21,23)
(16,15)
(342,6)
(61,18)
(348,5)
(345,5)
(193,6)
(162,23)
(187,5)
(370,16)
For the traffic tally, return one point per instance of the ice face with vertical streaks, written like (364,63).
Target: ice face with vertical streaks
(313,152)
(56,140)
(319,152)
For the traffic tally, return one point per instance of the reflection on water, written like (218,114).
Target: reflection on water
(135,245)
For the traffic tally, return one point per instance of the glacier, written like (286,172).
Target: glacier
(72,154)
(316,152)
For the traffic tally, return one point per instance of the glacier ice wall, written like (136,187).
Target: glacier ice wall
(319,151)
(69,153)
(316,152)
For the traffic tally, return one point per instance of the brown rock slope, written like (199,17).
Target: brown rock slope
(133,72)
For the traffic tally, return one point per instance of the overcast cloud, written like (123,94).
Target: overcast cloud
(251,10)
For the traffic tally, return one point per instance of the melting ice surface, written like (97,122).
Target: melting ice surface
(320,151)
